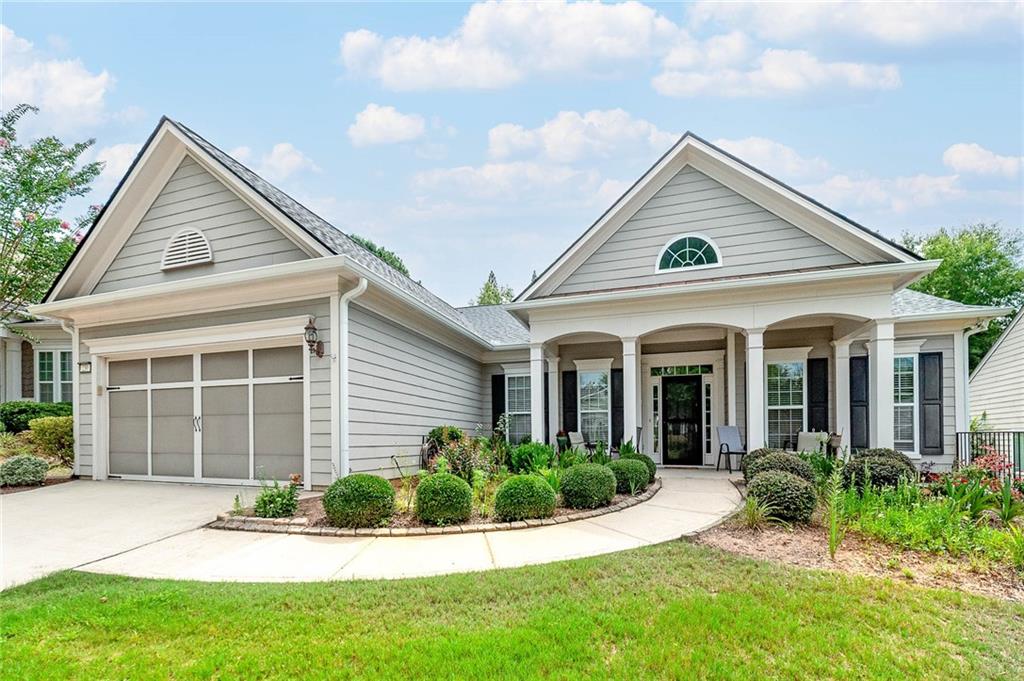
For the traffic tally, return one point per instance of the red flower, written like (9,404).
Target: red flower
(64,225)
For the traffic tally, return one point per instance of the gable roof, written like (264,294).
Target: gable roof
(910,303)
(706,153)
(496,324)
(999,341)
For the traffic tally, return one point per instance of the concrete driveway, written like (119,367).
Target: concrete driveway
(76,523)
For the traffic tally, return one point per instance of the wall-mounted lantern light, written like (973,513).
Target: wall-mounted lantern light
(85,367)
(316,346)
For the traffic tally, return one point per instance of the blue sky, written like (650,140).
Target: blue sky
(477,137)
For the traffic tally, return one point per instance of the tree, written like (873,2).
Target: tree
(390,257)
(981,265)
(493,293)
(35,183)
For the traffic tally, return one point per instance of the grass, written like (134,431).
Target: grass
(670,611)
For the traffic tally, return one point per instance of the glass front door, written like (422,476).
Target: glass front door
(681,432)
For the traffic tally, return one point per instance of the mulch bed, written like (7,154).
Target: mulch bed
(807,547)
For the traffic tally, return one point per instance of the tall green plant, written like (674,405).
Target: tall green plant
(835,519)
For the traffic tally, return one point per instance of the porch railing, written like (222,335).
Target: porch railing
(1008,445)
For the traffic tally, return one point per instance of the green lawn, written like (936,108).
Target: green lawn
(669,611)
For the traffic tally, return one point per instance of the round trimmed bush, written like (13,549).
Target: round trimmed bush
(652,468)
(23,469)
(588,485)
(886,453)
(883,471)
(524,496)
(359,500)
(780,461)
(630,475)
(751,457)
(790,497)
(443,499)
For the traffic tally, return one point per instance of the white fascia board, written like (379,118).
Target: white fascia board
(243,334)
(981,314)
(733,284)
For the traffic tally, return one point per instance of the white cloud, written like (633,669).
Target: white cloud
(499,43)
(774,73)
(281,162)
(897,194)
(775,158)
(974,158)
(893,23)
(384,125)
(70,97)
(116,159)
(571,136)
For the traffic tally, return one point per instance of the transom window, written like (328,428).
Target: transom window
(785,388)
(691,250)
(905,403)
(54,376)
(517,406)
(595,403)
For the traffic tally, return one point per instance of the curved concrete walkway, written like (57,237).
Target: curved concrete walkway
(689,501)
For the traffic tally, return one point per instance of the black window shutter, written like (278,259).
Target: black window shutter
(547,435)
(817,394)
(497,398)
(930,402)
(859,403)
(569,415)
(616,408)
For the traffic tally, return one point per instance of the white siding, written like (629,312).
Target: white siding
(239,237)
(751,239)
(997,389)
(402,384)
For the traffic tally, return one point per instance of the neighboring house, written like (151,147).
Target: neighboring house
(35,361)
(708,294)
(997,383)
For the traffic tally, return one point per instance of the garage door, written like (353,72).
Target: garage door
(208,416)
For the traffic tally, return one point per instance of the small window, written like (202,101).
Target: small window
(690,251)
(905,403)
(595,406)
(785,389)
(517,405)
(187,247)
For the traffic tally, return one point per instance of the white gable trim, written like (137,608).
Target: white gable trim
(770,194)
(673,270)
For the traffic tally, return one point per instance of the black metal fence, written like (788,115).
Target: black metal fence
(1006,447)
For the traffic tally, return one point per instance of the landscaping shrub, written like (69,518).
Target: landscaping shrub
(275,501)
(884,471)
(530,457)
(23,470)
(359,500)
(588,485)
(568,458)
(630,475)
(751,457)
(443,499)
(652,468)
(780,461)
(441,436)
(886,453)
(463,457)
(15,415)
(55,437)
(790,497)
(524,496)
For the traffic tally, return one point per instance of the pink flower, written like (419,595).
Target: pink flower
(4,143)
(31,217)
(65,226)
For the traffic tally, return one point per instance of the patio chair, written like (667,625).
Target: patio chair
(808,442)
(729,446)
(576,441)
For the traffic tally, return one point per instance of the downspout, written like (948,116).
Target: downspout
(76,396)
(348,296)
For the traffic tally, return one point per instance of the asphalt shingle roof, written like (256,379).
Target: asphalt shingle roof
(908,303)
(496,324)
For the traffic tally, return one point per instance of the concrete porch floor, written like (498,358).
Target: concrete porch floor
(690,500)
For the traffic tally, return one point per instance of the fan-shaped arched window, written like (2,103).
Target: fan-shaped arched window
(688,250)
(185,248)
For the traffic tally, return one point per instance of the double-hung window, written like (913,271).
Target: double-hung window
(517,406)
(53,376)
(595,400)
(904,399)
(785,401)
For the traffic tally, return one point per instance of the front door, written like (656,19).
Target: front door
(681,420)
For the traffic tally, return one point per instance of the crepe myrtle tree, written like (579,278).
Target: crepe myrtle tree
(36,180)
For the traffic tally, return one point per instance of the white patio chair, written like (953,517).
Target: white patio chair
(729,446)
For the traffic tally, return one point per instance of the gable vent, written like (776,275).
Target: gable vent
(187,247)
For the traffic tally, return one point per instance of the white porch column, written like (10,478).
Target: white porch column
(730,370)
(554,403)
(756,433)
(880,415)
(841,353)
(630,371)
(961,378)
(537,392)
(13,368)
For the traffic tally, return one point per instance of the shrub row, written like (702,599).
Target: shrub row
(15,416)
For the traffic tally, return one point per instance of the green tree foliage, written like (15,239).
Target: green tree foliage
(981,265)
(390,257)
(493,293)
(36,180)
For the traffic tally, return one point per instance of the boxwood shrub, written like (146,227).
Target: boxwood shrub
(886,453)
(630,475)
(751,457)
(55,436)
(652,468)
(791,497)
(359,500)
(884,471)
(524,496)
(14,416)
(779,461)
(588,485)
(23,470)
(443,499)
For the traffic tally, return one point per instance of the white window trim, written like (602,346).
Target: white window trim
(55,382)
(698,235)
(516,371)
(591,365)
(916,402)
(786,356)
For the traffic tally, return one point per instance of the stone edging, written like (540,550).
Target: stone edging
(226,521)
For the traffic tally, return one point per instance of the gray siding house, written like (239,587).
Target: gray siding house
(222,332)
(997,383)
